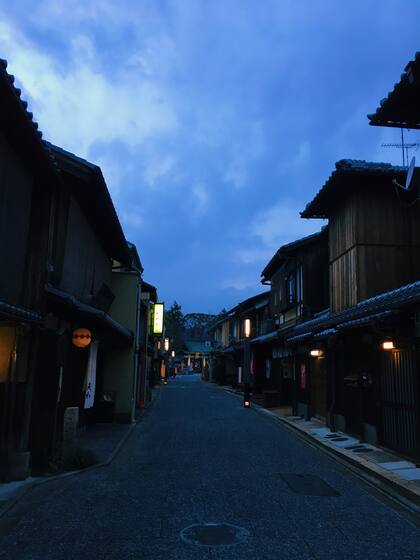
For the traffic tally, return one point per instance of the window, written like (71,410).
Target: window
(299,284)
(291,288)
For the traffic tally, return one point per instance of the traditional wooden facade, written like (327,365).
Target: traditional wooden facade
(298,275)
(81,292)
(29,180)
(229,335)
(372,388)
(147,376)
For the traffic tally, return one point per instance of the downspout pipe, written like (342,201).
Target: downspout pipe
(136,378)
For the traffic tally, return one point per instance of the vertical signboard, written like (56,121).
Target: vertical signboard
(90,382)
(158,318)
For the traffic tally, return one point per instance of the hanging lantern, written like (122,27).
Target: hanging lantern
(82,337)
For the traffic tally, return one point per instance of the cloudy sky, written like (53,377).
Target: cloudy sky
(214,121)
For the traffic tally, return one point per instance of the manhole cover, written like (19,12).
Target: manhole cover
(308,485)
(214,534)
(331,435)
(362,450)
(339,439)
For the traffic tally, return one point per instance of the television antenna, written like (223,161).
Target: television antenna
(404,147)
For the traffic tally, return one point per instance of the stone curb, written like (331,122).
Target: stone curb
(402,491)
(27,488)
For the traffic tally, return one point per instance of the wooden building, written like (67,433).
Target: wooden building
(367,339)
(29,178)
(196,355)
(81,293)
(147,379)
(374,231)
(401,107)
(248,319)
(298,276)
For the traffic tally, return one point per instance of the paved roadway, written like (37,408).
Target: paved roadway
(197,457)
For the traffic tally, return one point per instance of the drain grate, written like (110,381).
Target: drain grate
(362,450)
(339,439)
(214,534)
(329,436)
(308,485)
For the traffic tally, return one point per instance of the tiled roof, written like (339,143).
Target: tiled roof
(72,156)
(197,346)
(250,303)
(374,308)
(264,337)
(401,107)
(18,313)
(8,82)
(285,250)
(344,169)
(103,210)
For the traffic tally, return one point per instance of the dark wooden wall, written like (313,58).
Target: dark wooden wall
(85,265)
(15,209)
(374,240)
(313,258)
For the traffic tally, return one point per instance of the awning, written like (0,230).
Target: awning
(299,337)
(88,311)
(264,337)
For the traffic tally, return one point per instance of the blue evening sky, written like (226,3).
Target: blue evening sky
(215,121)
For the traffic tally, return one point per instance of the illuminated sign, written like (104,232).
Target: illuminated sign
(158,318)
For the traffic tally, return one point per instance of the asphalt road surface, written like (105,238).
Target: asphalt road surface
(198,457)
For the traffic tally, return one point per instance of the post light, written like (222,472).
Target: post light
(316,353)
(247,328)
(247,398)
(173,353)
(166,344)
(165,381)
(388,345)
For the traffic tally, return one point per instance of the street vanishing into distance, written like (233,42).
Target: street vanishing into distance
(198,457)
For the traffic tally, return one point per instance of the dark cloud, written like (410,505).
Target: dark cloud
(214,123)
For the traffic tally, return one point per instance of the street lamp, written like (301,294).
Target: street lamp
(247,362)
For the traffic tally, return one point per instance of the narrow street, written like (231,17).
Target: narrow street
(199,457)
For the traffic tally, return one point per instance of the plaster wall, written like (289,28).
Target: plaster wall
(119,362)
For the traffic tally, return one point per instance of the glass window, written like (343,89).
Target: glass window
(291,286)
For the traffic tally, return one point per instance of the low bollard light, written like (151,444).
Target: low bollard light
(247,397)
